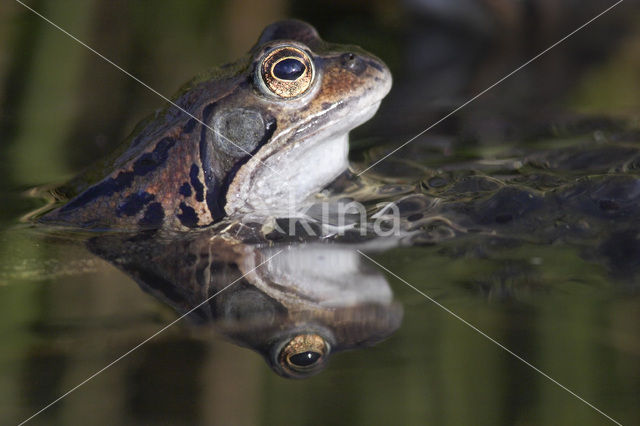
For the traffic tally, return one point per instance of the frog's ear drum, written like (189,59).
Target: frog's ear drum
(286,72)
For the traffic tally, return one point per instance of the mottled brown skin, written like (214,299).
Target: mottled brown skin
(178,174)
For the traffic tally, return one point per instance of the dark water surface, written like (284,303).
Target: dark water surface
(521,214)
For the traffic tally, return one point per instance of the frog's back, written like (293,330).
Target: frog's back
(154,178)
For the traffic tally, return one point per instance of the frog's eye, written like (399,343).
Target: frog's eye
(286,72)
(304,355)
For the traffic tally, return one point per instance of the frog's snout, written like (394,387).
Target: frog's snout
(384,78)
(370,68)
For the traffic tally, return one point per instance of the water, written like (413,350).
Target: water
(520,214)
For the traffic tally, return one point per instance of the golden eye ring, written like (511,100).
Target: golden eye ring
(304,354)
(286,72)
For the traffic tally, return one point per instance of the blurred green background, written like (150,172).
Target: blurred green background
(65,314)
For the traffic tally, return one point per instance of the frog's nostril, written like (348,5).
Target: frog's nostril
(352,62)
(348,59)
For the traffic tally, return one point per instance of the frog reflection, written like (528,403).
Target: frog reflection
(295,305)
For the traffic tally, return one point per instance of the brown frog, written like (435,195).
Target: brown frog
(254,137)
(295,304)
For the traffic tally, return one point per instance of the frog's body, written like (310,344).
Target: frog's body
(253,137)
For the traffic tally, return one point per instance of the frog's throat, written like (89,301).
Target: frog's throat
(281,191)
(338,279)
(292,173)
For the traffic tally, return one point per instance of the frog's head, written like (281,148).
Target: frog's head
(306,95)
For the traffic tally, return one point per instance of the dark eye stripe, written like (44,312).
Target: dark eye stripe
(288,69)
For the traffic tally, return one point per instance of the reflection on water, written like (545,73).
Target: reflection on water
(520,213)
(296,305)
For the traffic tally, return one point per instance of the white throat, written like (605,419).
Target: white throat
(285,182)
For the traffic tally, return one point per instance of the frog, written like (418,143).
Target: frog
(295,304)
(253,137)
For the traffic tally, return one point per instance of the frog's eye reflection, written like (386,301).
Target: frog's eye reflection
(286,72)
(305,354)
(304,359)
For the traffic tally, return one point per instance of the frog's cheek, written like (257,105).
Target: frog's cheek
(238,131)
(231,138)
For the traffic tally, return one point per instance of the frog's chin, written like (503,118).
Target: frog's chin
(281,183)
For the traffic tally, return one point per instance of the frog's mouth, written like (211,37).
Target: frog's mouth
(281,177)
